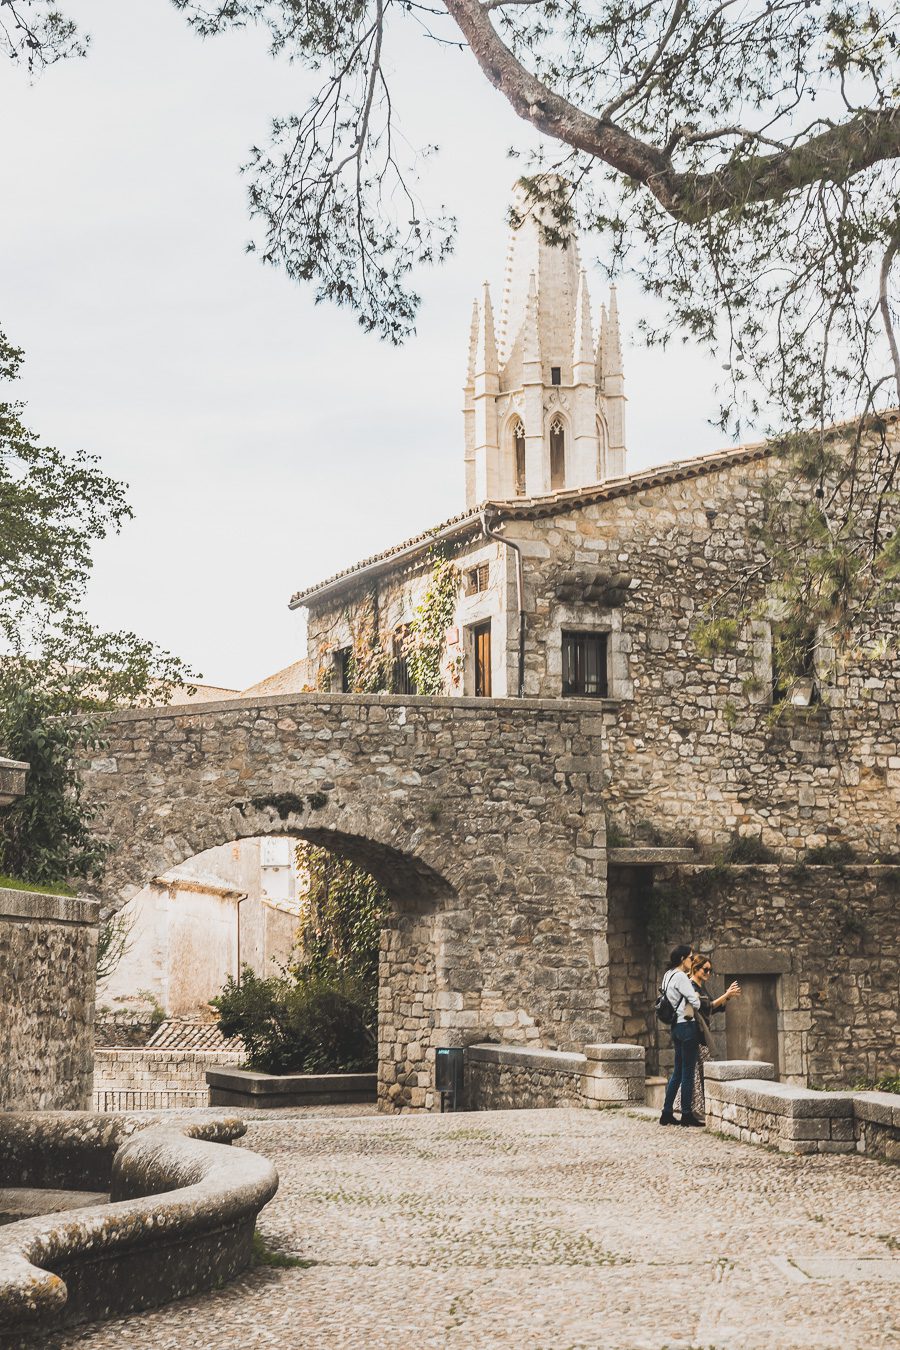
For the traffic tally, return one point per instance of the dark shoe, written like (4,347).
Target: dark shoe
(691,1119)
(667,1119)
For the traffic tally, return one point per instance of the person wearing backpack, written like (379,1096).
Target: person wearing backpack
(682,998)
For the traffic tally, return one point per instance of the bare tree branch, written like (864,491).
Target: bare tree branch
(832,156)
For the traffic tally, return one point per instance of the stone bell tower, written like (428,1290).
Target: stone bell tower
(544,403)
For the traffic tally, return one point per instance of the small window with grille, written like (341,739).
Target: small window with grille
(477,579)
(401,680)
(556,374)
(584,665)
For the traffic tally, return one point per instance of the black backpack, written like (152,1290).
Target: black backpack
(665,1013)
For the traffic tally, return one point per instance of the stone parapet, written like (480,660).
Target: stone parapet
(129,1079)
(799,1120)
(13,773)
(49,947)
(503,1077)
(876,1117)
(180,1218)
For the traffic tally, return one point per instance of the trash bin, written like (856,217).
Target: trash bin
(448,1076)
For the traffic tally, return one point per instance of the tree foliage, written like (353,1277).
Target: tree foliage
(320,1014)
(313,1022)
(59,674)
(343,914)
(740,157)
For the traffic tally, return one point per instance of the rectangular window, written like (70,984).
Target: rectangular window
(401,680)
(584,665)
(793,664)
(477,579)
(481,641)
(556,375)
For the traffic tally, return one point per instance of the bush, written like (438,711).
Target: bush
(304,1021)
(830,855)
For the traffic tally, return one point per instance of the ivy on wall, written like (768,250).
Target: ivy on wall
(428,630)
(370,665)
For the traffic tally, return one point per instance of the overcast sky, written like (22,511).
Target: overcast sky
(267,442)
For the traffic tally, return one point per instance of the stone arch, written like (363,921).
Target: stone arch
(484,818)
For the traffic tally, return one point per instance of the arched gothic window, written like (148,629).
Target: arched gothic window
(518,441)
(601,450)
(557,454)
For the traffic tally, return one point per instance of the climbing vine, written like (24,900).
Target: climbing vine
(369,665)
(428,629)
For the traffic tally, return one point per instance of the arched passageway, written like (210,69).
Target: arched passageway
(483,820)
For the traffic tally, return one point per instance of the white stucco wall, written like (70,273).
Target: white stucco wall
(191,928)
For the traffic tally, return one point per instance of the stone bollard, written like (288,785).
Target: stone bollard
(614,1074)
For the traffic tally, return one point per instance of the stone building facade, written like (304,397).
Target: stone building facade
(591,587)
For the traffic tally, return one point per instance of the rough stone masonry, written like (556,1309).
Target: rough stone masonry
(483,819)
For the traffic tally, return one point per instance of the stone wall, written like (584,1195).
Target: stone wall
(826,936)
(514,1078)
(483,819)
(876,1117)
(161,1078)
(743,1102)
(48,946)
(692,753)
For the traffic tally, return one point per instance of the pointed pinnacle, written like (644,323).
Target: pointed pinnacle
(583,350)
(531,349)
(613,352)
(486,360)
(473,344)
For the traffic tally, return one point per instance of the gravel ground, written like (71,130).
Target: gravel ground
(547,1230)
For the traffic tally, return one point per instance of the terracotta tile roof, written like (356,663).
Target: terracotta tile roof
(175,1034)
(535,507)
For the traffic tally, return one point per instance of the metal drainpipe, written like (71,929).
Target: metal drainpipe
(241,900)
(520,593)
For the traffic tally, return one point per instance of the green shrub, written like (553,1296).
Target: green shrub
(890,1083)
(751,850)
(304,1021)
(830,855)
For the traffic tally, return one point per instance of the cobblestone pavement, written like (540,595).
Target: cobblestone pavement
(548,1230)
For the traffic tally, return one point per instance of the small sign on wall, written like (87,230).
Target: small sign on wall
(452,637)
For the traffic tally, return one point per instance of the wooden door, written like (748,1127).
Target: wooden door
(481,636)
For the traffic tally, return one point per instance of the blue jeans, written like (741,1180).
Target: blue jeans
(687,1047)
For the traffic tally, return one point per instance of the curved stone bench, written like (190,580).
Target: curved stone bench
(181,1216)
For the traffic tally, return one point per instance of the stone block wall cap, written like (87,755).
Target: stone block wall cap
(615,1052)
(73,909)
(783,1099)
(882,1108)
(752,960)
(728,1070)
(528,1057)
(507,707)
(246,1080)
(14,764)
